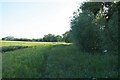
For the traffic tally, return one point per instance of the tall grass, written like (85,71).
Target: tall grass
(65,61)
(52,60)
(25,63)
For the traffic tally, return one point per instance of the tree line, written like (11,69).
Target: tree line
(47,38)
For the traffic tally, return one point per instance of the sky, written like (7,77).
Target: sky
(34,19)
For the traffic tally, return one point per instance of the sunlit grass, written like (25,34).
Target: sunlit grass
(14,45)
(23,43)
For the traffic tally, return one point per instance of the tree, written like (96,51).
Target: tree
(96,26)
(67,37)
(49,38)
(8,38)
(59,38)
(84,32)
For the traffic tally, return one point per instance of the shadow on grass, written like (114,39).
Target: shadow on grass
(61,45)
(12,48)
(63,61)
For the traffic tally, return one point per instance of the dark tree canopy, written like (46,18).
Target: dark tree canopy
(67,37)
(96,27)
(52,38)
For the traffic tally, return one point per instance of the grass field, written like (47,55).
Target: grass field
(55,60)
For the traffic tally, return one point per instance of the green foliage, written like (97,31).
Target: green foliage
(93,7)
(24,63)
(52,38)
(28,63)
(111,33)
(46,38)
(79,65)
(8,38)
(92,30)
(59,38)
(67,36)
(96,27)
(61,60)
(49,38)
(85,32)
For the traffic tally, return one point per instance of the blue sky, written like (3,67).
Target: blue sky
(34,19)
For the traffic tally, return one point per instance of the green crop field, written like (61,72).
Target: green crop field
(54,60)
